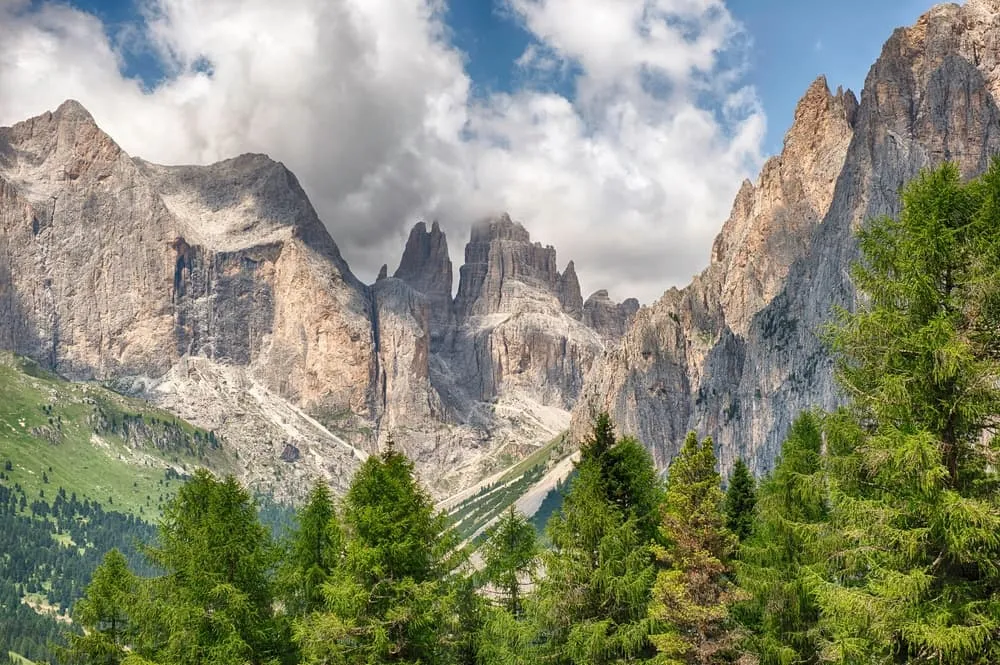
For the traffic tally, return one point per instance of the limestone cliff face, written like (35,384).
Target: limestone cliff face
(426,266)
(216,292)
(117,269)
(611,320)
(735,355)
(519,328)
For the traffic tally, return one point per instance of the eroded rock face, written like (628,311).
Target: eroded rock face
(611,320)
(117,269)
(518,321)
(736,355)
(426,266)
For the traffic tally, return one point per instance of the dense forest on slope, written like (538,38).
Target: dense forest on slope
(875,540)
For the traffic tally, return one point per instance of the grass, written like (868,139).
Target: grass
(93,442)
(477,510)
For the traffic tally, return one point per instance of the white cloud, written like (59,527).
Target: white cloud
(369,104)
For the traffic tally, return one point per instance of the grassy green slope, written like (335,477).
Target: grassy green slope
(94,442)
(475,512)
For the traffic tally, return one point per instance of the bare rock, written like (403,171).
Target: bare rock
(610,319)
(736,355)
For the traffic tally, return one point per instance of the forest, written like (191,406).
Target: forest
(875,539)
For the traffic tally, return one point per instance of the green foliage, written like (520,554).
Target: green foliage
(741,501)
(774,562)
(627,475)
(92,441)
(591,604)
(693,592)
(387,600)
(214,599)
(914,535)
(103,614)
(314,551)
(510,555)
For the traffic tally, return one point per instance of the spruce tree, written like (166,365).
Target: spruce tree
(214,600)
(915,515)
(776,561)
(693,592)
(591,605)
(741,500)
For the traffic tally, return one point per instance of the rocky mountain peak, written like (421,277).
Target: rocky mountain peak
(771,221)
(568,291)
(610,319)
(500,261)
(426,267)
(73,111)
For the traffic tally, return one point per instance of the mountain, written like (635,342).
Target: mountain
(216,293)
(737,354)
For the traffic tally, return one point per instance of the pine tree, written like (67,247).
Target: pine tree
(774,562)
(386,601)
(915,514)
(314,551)
(591,605)
(510,556)
(693,593)
(741,500)
(104,615)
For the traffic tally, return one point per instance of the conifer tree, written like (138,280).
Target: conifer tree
(386,599)
(915,516)
(104,615)
(510,556)
(314,551)
(774,562)
(741,500)
(591,605)
(628,476)
(693,593)
(213,602)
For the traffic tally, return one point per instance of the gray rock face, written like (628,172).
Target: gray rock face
(611,320)
(426,266)
(736,355)
(518,322)
(116,269)
(216,292)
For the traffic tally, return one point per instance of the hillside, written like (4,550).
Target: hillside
(93,442)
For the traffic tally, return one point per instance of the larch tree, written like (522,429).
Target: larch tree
(915,510)
(693,592)
(104,614)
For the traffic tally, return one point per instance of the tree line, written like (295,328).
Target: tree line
(875,539)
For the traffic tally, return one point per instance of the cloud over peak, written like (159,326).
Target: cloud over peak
(369,103)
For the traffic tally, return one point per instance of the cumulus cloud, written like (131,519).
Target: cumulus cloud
(368,102)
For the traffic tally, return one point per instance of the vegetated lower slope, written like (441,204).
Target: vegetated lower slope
(541,473)
(93,442)
(82,470)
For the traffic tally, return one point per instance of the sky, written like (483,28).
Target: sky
(616,130)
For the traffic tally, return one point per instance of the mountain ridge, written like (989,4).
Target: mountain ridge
(217,292)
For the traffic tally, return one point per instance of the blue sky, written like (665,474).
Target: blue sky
(793,41)
(618,131)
